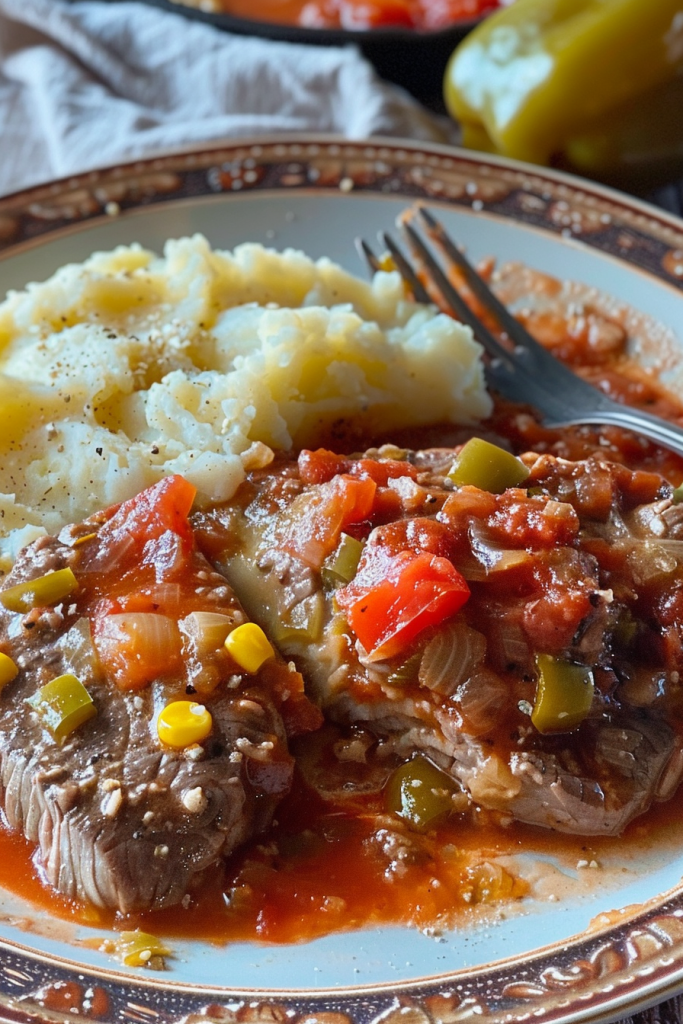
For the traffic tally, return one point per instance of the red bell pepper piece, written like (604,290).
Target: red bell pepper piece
(395,596)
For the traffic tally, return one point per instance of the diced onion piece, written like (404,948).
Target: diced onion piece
(564,694)
(63,704)
(38,593)
(183,723)
(483,700)
(482,464)
(8,670)
(510,643)
(207,630)
(649,561)
(136,949)
(420,793)
(451,657)
(78,648)
(137,647)
(492,556)
(249,646)
(674,547)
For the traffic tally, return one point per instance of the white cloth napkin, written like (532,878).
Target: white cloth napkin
(89,84)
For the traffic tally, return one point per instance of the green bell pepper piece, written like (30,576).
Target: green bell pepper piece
(488,467)
(564,694)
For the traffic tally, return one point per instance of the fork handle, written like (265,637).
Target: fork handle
(668,435)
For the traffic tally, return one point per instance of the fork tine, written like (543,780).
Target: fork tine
(537,359)
(514,330)
(366,254)
(527,372)
(404,268)
(453,299)
(420,293)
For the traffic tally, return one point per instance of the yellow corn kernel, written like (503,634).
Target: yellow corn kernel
(38,593)
(183,723)
(8,670)
(249,646)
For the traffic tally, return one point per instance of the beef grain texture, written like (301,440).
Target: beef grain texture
(119,821)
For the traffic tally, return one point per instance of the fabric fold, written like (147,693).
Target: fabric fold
(90,84)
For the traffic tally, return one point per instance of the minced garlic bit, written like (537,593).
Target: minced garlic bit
(112,804)
(195,800)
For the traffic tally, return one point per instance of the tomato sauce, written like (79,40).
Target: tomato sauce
(423,15)
(317,872)
(329,864)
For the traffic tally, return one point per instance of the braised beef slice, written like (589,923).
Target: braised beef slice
(120,821)
(566,602)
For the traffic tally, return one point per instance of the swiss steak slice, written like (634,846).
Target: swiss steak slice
(121,818)
(526,641)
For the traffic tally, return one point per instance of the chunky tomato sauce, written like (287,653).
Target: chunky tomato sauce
(340,862)
(423,15)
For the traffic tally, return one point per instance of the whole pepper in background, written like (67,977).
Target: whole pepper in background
(595,85)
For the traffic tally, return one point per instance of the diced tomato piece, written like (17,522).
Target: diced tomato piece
(131,602)
(383,470)
(317,518)
(419,534)
(438,14)
(375,13)
(638,487)
(164,506)
(387,505)
(135,648)
(465,504)
(552,620)
(321,466)
(394,597)
(522,522)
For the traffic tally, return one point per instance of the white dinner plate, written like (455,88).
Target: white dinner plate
(602,952)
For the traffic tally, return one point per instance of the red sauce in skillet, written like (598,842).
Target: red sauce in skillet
(423,15)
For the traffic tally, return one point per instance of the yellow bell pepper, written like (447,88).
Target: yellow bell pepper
(64,704)
(39,592)
(590,84)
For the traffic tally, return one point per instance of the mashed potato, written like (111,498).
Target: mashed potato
(132,366)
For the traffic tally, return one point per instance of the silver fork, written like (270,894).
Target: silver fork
(522,370)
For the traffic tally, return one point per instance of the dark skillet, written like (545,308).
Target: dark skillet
(415,60)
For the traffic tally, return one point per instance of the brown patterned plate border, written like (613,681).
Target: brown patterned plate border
(601,218)
(599,975)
